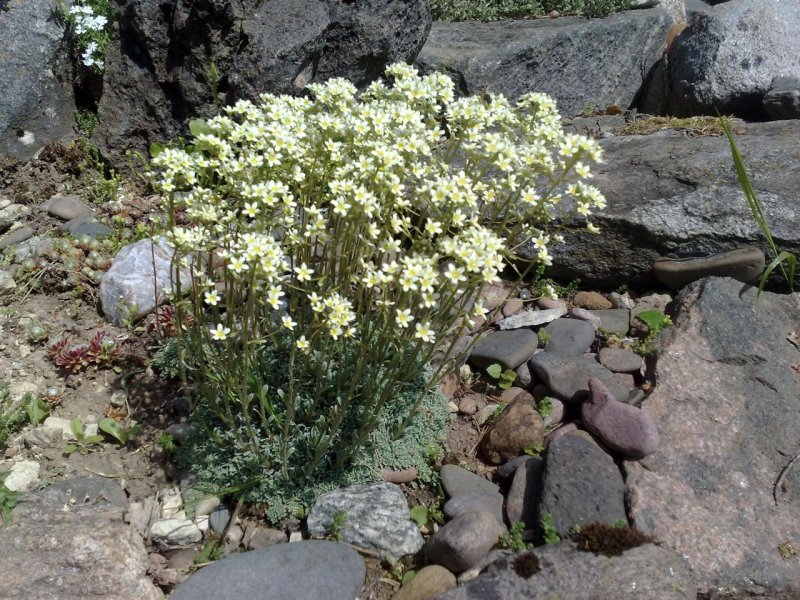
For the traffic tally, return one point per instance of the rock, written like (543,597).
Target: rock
(428,583)
(578,62)
(726,59)
(585,315)
(37,106)
(42,437)
(131,284)
(218,519)
(523,495)
(648,571)
(782,101)
(175,532)
(81,227)
(508,348)
(491,502)
(556,413)
(66,208)
(471,403)
(569,337)
(512,307)
(592,301)
(22,476)
(524,378)
(171,503)
(457,481)
(532,318)
(15,237)
(744,264)
(510,394)
(622,300)
(517,428)
(274,47)
(670,201)
(261,537)
(722,482)
(399,475)
(462,542)
(485,414)
(580,485)
(376,517)
(508,469)
(567,377)
(141,514)
(614,320)
(621,427)
(619,360)
(651,302)
(492,296)
(7,283)
(306,569)
(71,532)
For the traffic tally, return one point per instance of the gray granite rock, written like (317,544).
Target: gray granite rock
(614,320)
(72,532)
(36,106)
(508,348)
(523,495)
(581,484)
(464,541)
(457,480)
(376,517)
(578,62)
(722,487)
(782,101)
(620,427)
(569,337)
(567,377)
(479,500)
(648,571)
(619,360)
(309,569)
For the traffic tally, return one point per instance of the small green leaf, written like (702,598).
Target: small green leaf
(407,577)
(70,448)
(494,370)
(156,149)
(37,410)
(654,319)
(419,514)
(93,439)
(504,384)
(76,427)
(198,127)
(114,429)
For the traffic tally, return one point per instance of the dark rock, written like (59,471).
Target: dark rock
(569,337)
(578,62)
(592,301)
(309,569)
(517,428)
(782,101)
(726,59)
(614,320)
(479,500)
(679,196)
(648,571)
(15,237)
(619,360)
(36,106)
(157,75)
(567,377)
(523,495)
(722,480)
(376,517)
(464,541)
(457,481)
(507,469)
(580,485)
(621,427)
(524,378)
(508,348)
(743,264)
(72,532)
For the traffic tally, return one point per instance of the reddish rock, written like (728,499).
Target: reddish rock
(519,427)
(592,301)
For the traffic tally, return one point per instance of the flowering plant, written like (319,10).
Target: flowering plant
(352,232)
(88,20)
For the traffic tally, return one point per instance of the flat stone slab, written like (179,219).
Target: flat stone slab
(310,569)
(723,487)
(507,348)
(569,337)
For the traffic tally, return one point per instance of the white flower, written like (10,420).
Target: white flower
(212,297)
(403,318)
(303,272)
(288,323)
(220,333)
(424,332)
(303,343)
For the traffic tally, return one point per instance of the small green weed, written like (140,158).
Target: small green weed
(8,499)
(543,337)
(535,450)
(166,442)
(512,539)
(549,533)
(211,551)
(655,321)
(83,442)
(495,10)
(504,378)
(545,407)
(86,121)
(426,515)
(336,529)
(122,434)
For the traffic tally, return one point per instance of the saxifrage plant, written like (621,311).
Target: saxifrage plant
(336,242)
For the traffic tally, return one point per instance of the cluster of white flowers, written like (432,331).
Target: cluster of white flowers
(89,27)
(393,205)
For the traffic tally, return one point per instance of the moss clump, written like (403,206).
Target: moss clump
(691,126)
(481,10)
(608,539)
(527,565)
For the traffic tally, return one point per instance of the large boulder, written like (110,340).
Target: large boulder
(674,195)
(727,56)
(579,62)
(723,488)
(160,58)
(36,103)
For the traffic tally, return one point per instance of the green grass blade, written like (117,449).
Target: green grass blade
(778,261)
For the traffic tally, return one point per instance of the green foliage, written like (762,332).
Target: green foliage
(166,359)
(122,434)
(336,528)
(8,499)
(36,409)
(505,378)
(512,539)
(86,121)
(12,412)
(83,442)
(166,442)
(545,407)
(544,337)
(211,551)
(780,258)
(549,533)
(535,450)
(655,320)
(426,515)
(495,10)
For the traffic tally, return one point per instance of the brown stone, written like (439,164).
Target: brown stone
(592,301)
(519,427)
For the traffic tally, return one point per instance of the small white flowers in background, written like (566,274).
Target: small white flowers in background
(220,332)
(302,343)
(90,30)
(212,298)
(424,332)
(288,323)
